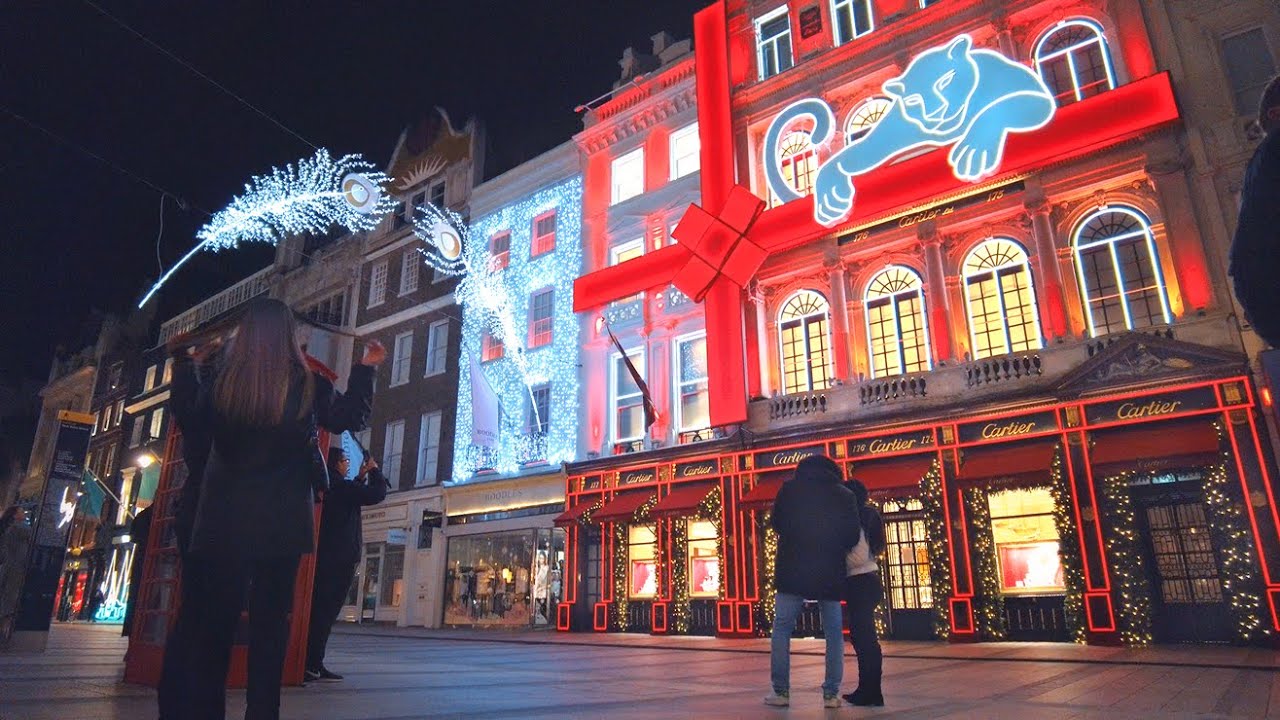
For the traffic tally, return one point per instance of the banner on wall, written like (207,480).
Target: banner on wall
(484,409)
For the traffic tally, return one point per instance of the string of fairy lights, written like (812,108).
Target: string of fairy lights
(1068,549)
(988,600)
(939,542)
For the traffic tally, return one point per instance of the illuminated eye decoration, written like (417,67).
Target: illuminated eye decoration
(447,241)
(444,234)
(361,193)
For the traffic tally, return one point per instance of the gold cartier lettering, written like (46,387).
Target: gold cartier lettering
(1133,411)
(1010,429)
(877,447)
(791,457)
(925,216)
(696,470)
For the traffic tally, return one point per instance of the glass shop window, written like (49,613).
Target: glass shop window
(704,560)
(1026,540)
(642,581)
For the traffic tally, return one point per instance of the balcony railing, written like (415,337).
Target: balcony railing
(238,294)
(1002,369)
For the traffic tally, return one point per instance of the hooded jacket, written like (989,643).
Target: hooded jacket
(817,522)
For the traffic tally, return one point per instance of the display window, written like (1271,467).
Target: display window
(1026,541)
(504,579)
(906,554)
(704,559)
(642,566)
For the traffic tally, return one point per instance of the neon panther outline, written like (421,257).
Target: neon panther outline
(949,95)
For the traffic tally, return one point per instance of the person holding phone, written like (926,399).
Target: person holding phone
(338,551)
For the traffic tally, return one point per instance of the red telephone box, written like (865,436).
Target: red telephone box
(158,596)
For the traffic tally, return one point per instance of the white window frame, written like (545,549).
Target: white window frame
(550,318)
(431,193)
(378,283)
(846,6)
(409,272)
(685,162)
(637,356)
(679,384)
(401,358)
(437,348)
(622,186)
(761,43)
(157,424)
(894,298)
(392,461)
(1100,38)
(804,323)
(149,382)
(429,449)
(1153,254)
(530,400)
(1023,265)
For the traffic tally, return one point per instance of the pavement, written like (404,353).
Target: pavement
(399,674)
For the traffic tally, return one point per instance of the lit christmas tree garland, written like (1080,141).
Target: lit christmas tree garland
(1068,550)
(1124,550)
(1227,522)
(988,599)
(939,541)
(768,576)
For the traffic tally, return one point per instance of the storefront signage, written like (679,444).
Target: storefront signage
(888,444)
(1152,407)
(810,21)
(956,96)
(387,514)
(1168,478)
(635,477)
(701,468)
(934,212)
(591,483)
(784,458)
(1005,428)
(397,536)
(502,495)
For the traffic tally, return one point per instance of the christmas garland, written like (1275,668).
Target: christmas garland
(621,558)
(988,599)
(939,570)
(1068,550)
(1124,553)
(768,591)
(1226,515)
(680,609)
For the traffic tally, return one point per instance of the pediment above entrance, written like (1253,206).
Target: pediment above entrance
(1139,359)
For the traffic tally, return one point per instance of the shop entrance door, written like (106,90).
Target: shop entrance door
(1187,604)
(905,571)
(370,582)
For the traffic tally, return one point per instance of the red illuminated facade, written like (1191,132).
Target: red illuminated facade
(1039,375)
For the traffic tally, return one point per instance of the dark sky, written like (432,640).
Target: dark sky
(77,235)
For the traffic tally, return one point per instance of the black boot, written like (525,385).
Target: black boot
(864,698)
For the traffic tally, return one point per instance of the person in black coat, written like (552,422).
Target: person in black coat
(255,409)
(816,519)
(139,533)
(338,550)
(1255,249)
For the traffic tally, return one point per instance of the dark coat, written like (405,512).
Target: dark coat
(816,519)
(1255,250)
(139,532)
(248,491)
(340,528)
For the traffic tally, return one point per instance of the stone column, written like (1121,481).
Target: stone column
(1191,264)
(1048,285)
(837,280)
(760,318)
(936,301)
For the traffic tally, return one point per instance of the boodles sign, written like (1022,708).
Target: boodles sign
(953,95)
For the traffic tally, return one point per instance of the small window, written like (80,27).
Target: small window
(429,449)
(1000,297)
(1026,541)
(103,422)
(896,326)
(149,383)
(773,43)
(627,176)
(157,423)
(499,251)
(544,233)
(437,347)
(1250,66)
(864,117)
(401,358)
(97,423)
(167,376)
(119,418)
(538,420)
(135,436)
(627,251)
(685,151)
(691,383)
(378,284)
(1119,272)
(540,306)
(852,18)
(490,346)
(402,208)
(393,451)
(799,161)
(805,340)
(410,269)
(642,560)
(628,400)
(1074,61)
(437,194)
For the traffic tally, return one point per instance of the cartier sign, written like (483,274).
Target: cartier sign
(1006,428)
(888,444)
(933,213)
(635,477)
(700,468)
(1152,407)
(790,456)
(591,483)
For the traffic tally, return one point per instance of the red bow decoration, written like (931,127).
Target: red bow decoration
(718,245)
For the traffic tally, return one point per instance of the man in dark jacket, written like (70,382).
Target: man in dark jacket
(338,551)
(816,520)
(1255,251)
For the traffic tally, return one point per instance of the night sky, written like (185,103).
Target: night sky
(349,76)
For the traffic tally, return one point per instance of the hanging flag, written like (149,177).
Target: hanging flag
(94,495)
(650,411)
(484,408)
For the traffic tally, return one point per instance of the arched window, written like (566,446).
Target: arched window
(1119,269)
(802,331)
(897,336)
(799,161)
(1074,61)
(865,116)
(1001,299)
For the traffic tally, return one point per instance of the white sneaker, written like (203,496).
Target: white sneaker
(831,701)
(776,699)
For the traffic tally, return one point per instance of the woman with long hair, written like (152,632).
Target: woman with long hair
(249,414)
(863,592)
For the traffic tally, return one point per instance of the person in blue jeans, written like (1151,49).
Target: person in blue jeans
(817,522)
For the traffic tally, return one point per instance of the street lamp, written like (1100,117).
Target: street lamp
(146,460)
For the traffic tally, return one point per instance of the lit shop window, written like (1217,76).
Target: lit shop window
(1001,300)
(896,331)
(642,566)
(852,19)
(1026,540)
(691,359)
(704,559)
(1073,59)
(802,330)
(798,161)
(906,560)
(1119,271)
(1250,66)
(627,176)
(544,233)
(627,400)
(773,43)
(865,116)
(685,151)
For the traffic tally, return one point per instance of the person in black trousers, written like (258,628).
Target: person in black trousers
(338,551)
(255,409)
(863,592)
(1255,249)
